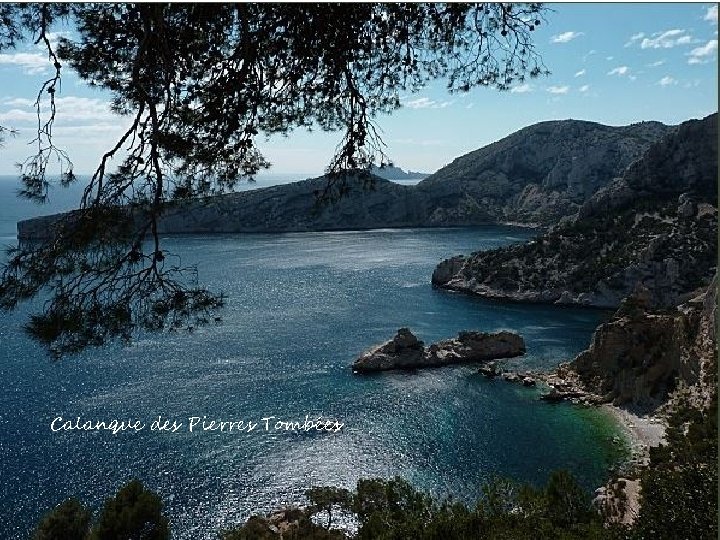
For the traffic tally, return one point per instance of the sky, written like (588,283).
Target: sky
(610,63)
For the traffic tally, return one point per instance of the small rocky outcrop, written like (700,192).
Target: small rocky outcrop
(556,396)
(406,351)
(489,370)
(447,269)
(391,172)
(476,347)
(618,501)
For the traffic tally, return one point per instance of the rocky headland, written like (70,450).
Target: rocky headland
(535,176)
(406,351)
(655,226)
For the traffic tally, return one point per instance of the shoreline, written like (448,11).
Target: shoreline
(642,431)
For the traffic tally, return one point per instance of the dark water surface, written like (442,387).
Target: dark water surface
(300,308)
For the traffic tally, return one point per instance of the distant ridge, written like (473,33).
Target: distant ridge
(537,175)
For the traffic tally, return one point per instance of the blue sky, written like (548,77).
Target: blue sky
(610,63)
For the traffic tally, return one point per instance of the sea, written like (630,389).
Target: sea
(300,307)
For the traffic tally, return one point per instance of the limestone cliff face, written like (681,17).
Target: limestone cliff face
(634,359)
(537,175)
(640,356)
(684,161)
(655,226)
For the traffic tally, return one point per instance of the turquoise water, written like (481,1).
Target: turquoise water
(300,308)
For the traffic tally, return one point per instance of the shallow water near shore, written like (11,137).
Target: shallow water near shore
(300,308)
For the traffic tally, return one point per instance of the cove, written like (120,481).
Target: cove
(300,308)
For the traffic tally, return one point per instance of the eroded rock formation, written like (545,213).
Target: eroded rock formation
(406,351)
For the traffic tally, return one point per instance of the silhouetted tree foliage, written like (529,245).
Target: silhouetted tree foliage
(198,83)
(329,499)
(680,487)
(394,510)
(135,513)
(69,520)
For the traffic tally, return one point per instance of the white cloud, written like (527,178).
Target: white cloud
(521,89)
(584,88)
(656,64)
(565,37)
(81,108)
(558,89)
(69,109)
(609,58)
(667,80)
(31,63)
(102,131)
(427,103)
(469,105)
(620,71)
(634,38)
(701,55)
(666,40)
(17,115)
(18,102)
(580,73)
(712,14)
(419,103)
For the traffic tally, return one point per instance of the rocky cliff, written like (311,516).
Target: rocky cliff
(536,175)
(655,226)
(641,356)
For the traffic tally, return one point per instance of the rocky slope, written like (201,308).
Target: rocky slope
(647,359)
(644,359)
(536,175)
(641,356)
(539,174)
(284,208)
(655,226)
